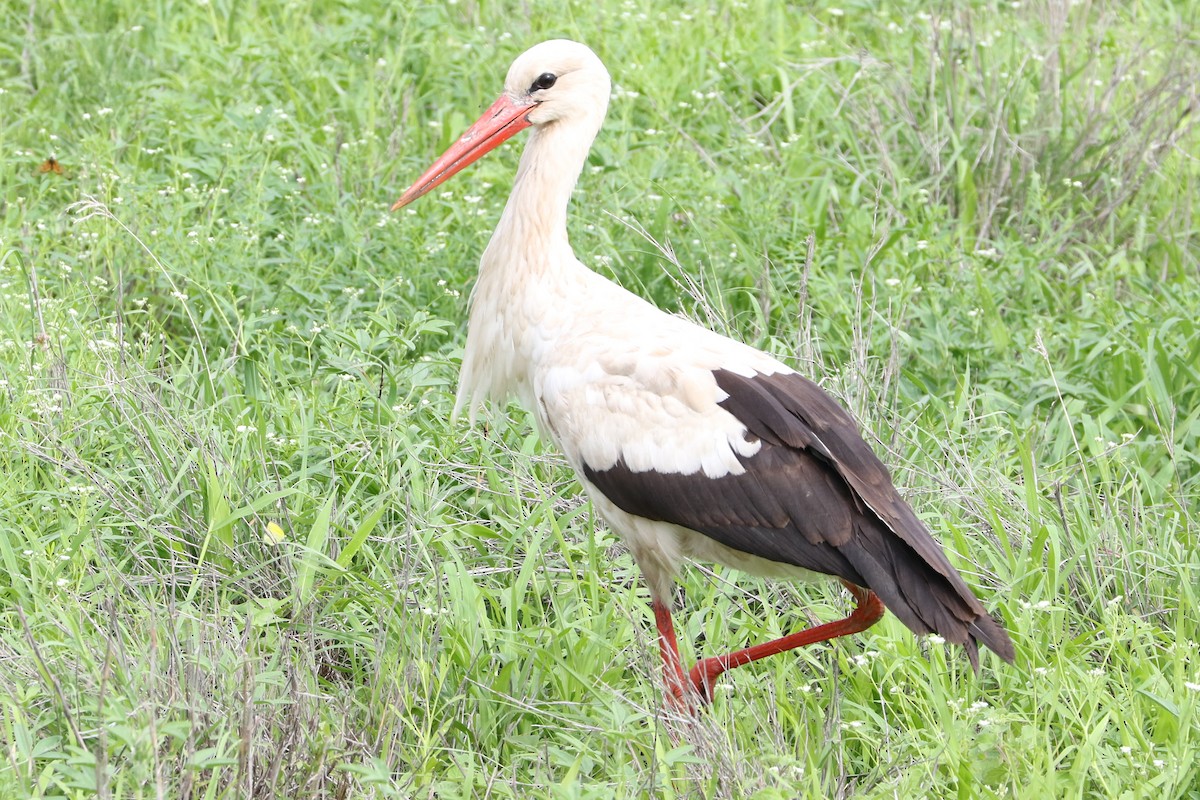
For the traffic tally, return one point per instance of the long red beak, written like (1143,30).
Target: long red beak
(505,118)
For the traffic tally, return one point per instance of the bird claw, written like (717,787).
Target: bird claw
(691,695)
(703,677)
(683,702)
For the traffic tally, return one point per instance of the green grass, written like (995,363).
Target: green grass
(210,323)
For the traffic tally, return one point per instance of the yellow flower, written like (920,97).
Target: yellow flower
(273,534)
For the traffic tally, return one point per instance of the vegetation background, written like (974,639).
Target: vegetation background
(244,552)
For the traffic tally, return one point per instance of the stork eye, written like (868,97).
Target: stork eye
(544,81)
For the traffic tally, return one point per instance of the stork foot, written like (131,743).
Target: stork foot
(681,699)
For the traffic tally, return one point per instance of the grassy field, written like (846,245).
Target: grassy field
(244,551)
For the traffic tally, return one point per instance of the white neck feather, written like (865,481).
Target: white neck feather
(526,272)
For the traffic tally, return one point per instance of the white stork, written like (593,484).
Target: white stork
(690,445)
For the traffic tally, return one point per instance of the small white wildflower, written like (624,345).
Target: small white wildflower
(935,639)
(180,296)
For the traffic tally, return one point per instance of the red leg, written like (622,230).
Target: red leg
(678,687)
(703,676)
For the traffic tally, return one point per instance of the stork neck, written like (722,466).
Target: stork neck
(533,228)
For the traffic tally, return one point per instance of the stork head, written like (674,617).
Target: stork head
(559,79)
(555,82)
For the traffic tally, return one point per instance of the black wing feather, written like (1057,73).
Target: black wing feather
(815,496)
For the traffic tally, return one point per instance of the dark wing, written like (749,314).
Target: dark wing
(815,496)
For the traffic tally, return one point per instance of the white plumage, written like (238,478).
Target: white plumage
(691,445)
